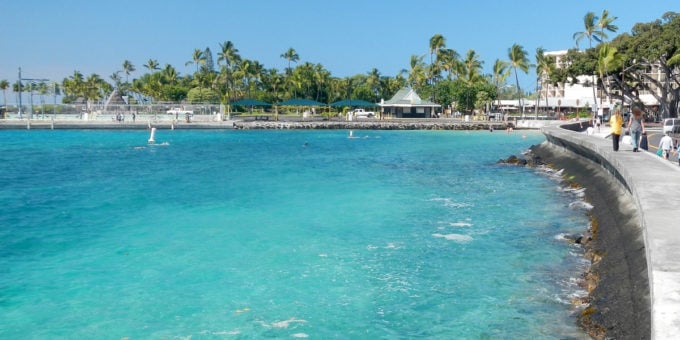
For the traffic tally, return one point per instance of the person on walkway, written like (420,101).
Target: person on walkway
(636,126)
(616,124)
(678,151)
(666,145)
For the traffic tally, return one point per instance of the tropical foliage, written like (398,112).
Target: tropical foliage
(457,82)
(625,63)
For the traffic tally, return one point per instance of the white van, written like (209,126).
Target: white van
(671,125)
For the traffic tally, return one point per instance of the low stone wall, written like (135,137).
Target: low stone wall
(371,125)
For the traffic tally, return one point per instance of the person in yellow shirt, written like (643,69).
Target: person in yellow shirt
(616,124)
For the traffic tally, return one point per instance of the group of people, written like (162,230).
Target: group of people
(636,129)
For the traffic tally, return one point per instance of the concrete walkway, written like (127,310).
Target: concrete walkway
(653,184)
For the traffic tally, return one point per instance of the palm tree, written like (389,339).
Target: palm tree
(115,77)
(272,81)
(169,74)
(518,60)
(416,72)
(545,65)
(448,58)
(590,31)
(290,55)
(471,71)
(4,85)
(437,42)
(74,85)
(473,67)
(608,59)
(198,59)
(128,68)
(229,55)
(606,24)
(152,65)
(500,74)
(373,81)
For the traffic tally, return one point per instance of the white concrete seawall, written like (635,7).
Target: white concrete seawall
(653,184)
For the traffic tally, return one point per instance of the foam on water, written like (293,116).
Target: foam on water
(454,237)
(460,224)
(251,234)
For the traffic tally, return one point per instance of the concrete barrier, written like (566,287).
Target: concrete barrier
(653,184)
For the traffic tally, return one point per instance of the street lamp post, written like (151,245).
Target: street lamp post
(31,87)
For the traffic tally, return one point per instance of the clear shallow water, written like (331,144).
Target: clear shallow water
(250,234)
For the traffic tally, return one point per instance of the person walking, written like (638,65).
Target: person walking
(636,126)
(666,145)
(678,151)
(616,125)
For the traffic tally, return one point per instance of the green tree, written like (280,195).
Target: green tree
(591,24)
(651,46)
(292,56)
(545,66)
(449,60)
(115,78)
(208,63)
(437,42)
(198,95)
(374,83)
(152,65)
(499,76)
(606,23)
(608,59)
(518,60)
(74,87)
(416,73)
(4,85)
(472,67)
(228,58)
(128,68)
(198,59)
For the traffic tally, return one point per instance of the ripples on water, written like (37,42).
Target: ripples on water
(282,234)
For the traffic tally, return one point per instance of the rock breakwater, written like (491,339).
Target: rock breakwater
(370,125)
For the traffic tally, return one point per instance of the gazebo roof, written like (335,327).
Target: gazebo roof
(407,97)
(353,103)
(301,102)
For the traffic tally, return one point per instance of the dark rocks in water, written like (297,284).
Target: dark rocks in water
(529,160)
(513,160)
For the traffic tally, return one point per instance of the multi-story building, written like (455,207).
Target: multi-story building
(566,97)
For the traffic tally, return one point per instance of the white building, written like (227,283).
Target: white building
(570,97)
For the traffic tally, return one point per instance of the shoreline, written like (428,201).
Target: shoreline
(618,302)
(140,124)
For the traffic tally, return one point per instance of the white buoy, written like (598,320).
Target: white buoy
(151,139)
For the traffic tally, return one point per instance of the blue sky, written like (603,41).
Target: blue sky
(51,39)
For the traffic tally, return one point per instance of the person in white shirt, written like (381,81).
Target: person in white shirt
(666,144)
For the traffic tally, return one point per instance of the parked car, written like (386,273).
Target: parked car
(360,113)
(671,125)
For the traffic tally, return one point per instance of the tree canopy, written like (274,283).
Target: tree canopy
(447,78)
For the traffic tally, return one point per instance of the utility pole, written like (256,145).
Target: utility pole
(20,83)
(20,116)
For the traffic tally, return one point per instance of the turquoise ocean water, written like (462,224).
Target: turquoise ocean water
(302,234)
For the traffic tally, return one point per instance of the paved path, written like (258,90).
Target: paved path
(653,184)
